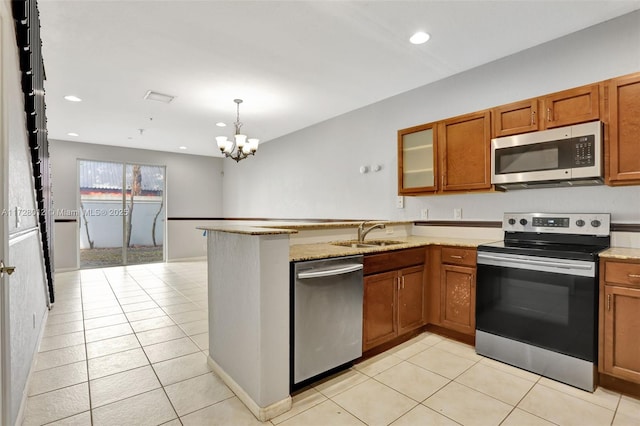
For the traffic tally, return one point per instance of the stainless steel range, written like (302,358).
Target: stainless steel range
(537,294)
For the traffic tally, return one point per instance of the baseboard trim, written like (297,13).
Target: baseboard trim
(619,385)
(187,259)
(261,413)
(25,391)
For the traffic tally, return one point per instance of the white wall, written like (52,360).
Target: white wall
(24,292)
(193,190)
(103,227)
(314,173)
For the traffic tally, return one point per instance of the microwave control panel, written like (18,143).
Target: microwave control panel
(583,151)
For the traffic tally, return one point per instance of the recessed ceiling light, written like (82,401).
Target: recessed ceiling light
(183,147)
(221,124)
(160,97)
(420,37)
(72,98)
(73,134)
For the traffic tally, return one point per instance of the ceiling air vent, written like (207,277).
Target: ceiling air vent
(160,97)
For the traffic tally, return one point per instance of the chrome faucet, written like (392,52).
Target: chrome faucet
(362,232)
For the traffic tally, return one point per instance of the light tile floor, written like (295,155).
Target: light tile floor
(128,346)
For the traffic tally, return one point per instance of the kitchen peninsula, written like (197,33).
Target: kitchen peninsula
(248,280)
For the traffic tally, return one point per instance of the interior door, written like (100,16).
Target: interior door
(4,232)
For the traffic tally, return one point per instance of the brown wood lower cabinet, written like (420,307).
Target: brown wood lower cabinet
(620,320)
(458,298)
(393,295)
(379,309)
(452,288)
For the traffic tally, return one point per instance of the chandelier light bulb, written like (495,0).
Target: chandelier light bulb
(241,140)
(253,144)
(221,141)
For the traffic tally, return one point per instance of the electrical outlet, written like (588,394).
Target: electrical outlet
(424,214)
(400,202)
(457,213)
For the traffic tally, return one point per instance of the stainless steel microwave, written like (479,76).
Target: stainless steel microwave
(566,156)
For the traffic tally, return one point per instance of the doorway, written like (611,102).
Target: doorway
(122,213)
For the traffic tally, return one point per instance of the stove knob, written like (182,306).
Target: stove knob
(512,221)
(595,223)
(580,222)
(523,222)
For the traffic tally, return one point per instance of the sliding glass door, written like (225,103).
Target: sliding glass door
(122,214)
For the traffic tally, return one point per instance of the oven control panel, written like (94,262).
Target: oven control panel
(559,223)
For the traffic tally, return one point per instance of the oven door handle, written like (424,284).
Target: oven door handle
(549,265)
(537,262)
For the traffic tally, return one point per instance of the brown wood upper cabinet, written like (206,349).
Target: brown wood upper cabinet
(515,118)
(417,154)
(450,155)
(624,130)
(571,106)
(564,108)
(619,351)
(465,144)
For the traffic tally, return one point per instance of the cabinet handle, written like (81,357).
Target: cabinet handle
(533,118)
(634,275)
(403,282)
(548,114)
(456,256)
(608,302)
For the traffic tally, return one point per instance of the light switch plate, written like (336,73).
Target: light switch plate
(400,202)
(424,214)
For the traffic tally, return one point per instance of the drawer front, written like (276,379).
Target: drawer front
(622,273)
(459,256)
(394,260)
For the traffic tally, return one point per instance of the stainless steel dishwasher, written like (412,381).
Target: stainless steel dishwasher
(326,317)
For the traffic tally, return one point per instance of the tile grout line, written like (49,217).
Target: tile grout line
(164,390)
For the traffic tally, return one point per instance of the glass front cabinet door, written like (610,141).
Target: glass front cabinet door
(417,160)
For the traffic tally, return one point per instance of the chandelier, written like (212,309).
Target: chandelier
(240,147)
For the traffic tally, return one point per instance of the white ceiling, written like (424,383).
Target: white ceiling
(294,63)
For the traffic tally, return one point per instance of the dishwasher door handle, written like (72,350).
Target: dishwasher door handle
(328,272)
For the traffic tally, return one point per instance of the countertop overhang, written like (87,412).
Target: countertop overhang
(287,227)
(299,252)
(623,253)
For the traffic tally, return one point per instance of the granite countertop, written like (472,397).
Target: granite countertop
(621,253)
(298,252)
(284,227)
(246,229)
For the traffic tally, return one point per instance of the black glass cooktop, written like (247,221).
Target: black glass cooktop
(576,247)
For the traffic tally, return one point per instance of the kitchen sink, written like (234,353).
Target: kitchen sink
(366,244)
